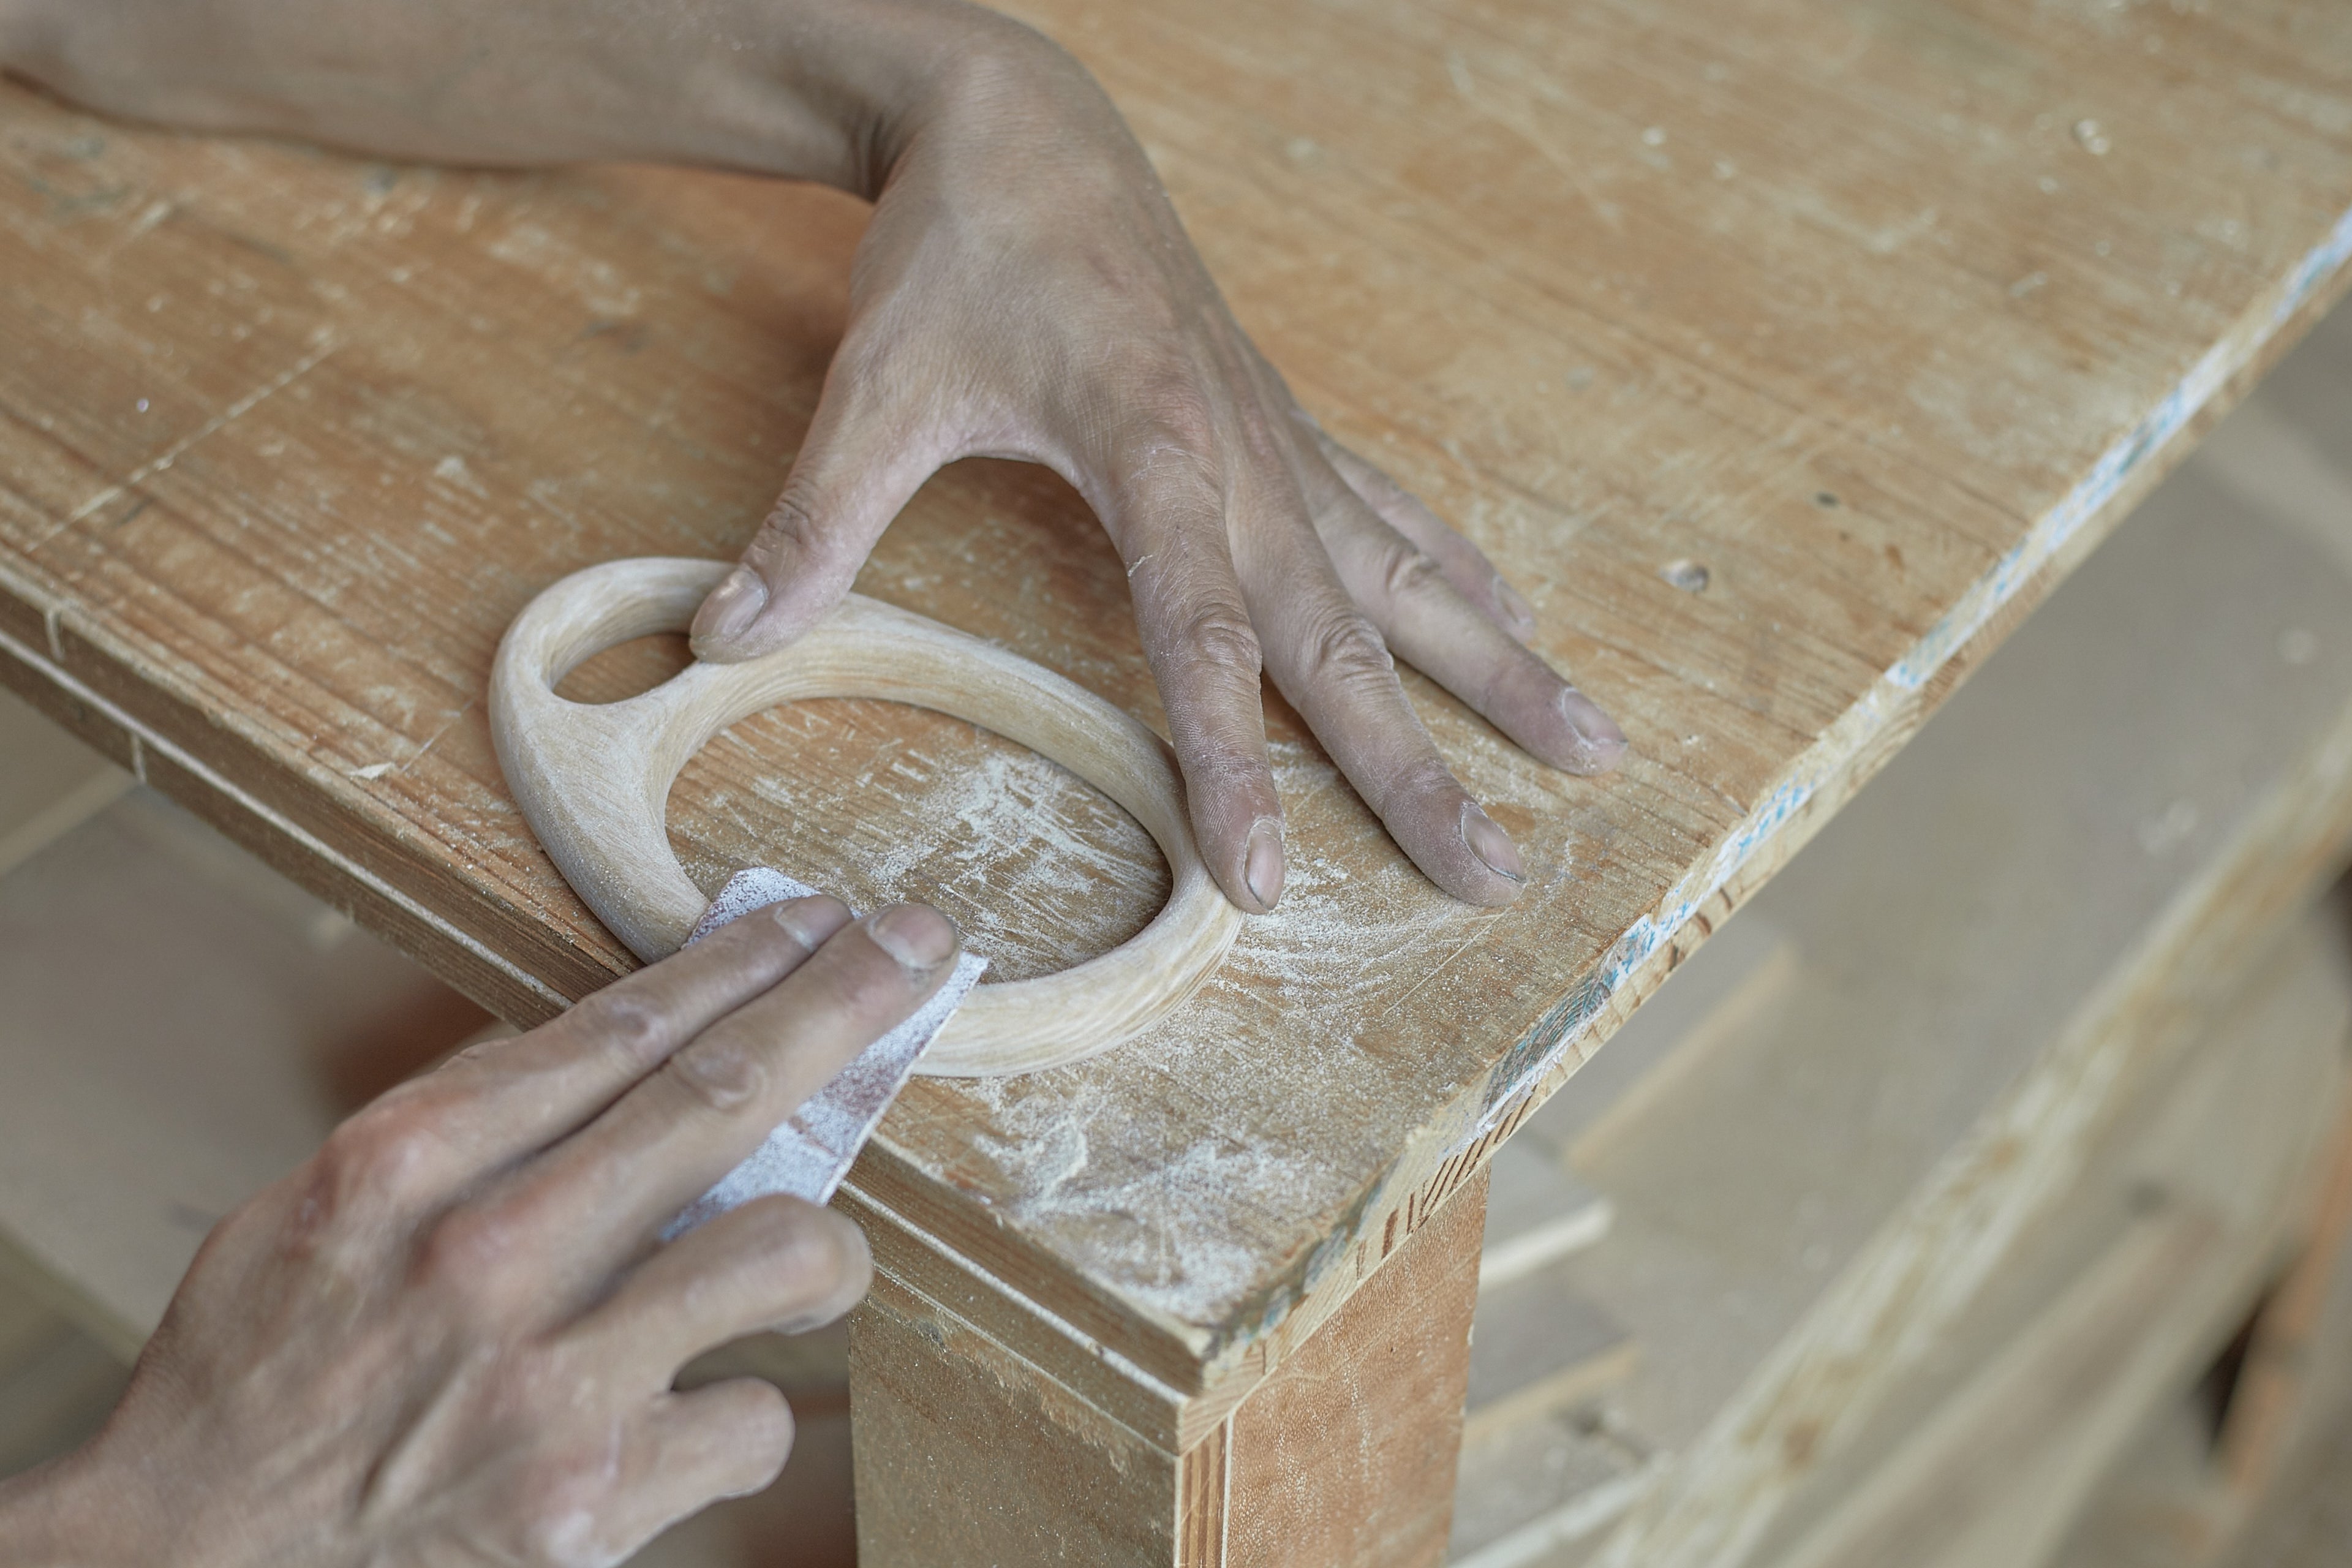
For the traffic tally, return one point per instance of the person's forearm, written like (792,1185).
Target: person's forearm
(819,89)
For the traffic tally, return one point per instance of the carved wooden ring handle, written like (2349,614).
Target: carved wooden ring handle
(593,782)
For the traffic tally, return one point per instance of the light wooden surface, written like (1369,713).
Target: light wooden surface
(48,783)
(1880,315)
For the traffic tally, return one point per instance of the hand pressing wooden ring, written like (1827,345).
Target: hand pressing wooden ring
(594,780)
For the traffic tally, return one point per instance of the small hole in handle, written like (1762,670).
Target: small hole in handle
(626,670)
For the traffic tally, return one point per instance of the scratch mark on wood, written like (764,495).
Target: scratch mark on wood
(171,454)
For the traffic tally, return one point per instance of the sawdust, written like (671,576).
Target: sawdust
(1073,1162)
(1014,830)
(1041,870)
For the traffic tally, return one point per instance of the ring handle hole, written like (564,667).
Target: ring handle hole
(626,670)
(1042,869)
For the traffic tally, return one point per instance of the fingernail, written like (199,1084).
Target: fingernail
(804,921)
(1261,865)
(801,1324)
(917,936)
(731,607)
(1514,605)
(1490,842)
(1600,743)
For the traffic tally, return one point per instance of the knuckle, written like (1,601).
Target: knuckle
(1220,637)
(795,516)
(719,1074)
(632,1027)
(1409,573)
(1427,778)
(1346,647)
(1265,434)
(378,1157)
(869,991)
(1172,409)
(795,539)
(466,1257)
(559,1504)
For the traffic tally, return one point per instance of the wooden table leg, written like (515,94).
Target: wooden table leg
(1342,1458)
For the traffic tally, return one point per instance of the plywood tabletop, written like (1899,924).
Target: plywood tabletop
(1878,313)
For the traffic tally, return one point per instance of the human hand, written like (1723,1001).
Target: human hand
(1025,290)
(450,1336)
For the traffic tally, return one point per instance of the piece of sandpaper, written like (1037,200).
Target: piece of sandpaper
(810,1153)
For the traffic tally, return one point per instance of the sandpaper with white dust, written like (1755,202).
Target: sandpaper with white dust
(811,1153)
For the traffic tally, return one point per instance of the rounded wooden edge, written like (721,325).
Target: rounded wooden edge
(594,780)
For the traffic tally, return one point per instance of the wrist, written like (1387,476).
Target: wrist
(869,77)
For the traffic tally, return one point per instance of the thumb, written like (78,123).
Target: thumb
(859,466)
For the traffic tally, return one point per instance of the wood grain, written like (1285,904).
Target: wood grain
(1840,303)
(1345,1455)
(1342,1458)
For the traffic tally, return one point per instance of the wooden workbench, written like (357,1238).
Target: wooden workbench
(1880,315)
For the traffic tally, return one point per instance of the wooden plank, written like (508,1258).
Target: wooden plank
(2272,1386)
(2307,1526)
(1794,1224)
(1345,1456)
(1541,1493)
(384,406)
(1539,1347)
(2114,1299)
(2178,1499)
(2283,454)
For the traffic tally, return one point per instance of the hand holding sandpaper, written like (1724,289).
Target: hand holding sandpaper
(450,1336)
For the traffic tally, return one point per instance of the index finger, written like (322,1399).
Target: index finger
(602,1194)
(497,1103)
